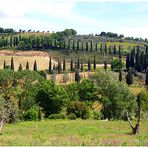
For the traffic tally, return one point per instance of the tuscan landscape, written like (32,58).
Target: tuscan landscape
(66,88)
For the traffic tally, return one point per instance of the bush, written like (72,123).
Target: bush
(80,109)
(71,117)
(31,114)
(57,116)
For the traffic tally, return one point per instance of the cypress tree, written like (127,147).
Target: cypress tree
(27,66)
(64,64)
(89,65)
(82,46)
(59,67)
(105,48)
(77,76)
(73,47)
(86,46)
(96,47)
(64,44)
(69,44)
(146,49)
(12,64)
(50,65)
(35,66)
(120,55)
(20,67)
(146,80)
(129,77)
(4,66)
(81,65)
(142,61)
(105,65)
(94,63)
(101,48)
(77,45)
(132,63)
(120,75)
(114,50)
(137,64)
(71,65)
(127,62)
(91,46)
(11,41)
(78,63)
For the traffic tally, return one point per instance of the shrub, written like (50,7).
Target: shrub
(71,117)
(57,116)
(31,114)
(80,109)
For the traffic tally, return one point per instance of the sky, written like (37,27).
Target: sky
(128,17)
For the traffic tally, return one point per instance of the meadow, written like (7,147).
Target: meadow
(73,133)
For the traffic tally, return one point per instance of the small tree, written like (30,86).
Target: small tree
(71,65)
(4,66)
(89,65)
(120,75)
(81,65)
(105,65)
(27,66)
(64,64)
(129,77)
(77,76)
(94,63)
(20,67)
(12,64)
(135,129)
(50,65)
(35,66)
(59,67)
(78,63)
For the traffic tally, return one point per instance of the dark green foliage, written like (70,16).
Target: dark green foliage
(40,114)
(117,64)
(80,109)
(12,64)
(105,48)
(64,64)
(138,64)
(27,66)
(120,54)
(120,75)
(105,65)
(51,98)
(72,116)
(31,114)
(129,77)
(77,76)
(89,65)
(132,63)
(82,65)
(71,65)
(114,50)
(20,67)
(146,80)
(57,116)
(4,66)
(50,65)
(73,46)
(94,63)
(77,45)
(86,46)
(87,90)
(127,62)
(78,63)
(35,66)
(96,47)
(114,96)
(59,67)
(91,46)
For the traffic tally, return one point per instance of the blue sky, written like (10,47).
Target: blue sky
(124,17)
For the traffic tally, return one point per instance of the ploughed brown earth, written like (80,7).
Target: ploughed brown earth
(23,53)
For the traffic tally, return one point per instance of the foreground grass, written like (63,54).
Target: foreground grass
(72,133)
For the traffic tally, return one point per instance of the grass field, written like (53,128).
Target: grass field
(73,133)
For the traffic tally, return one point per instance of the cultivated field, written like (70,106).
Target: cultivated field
(73,133)
(22,57)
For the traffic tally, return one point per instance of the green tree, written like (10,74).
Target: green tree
(12,64)
(27,66)
(4,66)
(89,65)
(50,65)
(129,77)
(20,67)
(77,76)
(35,66)
(64,64)
(51,98)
